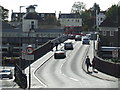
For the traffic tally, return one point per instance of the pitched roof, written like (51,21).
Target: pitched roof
(70,15)
(6,25)
(31,15)
(108,22)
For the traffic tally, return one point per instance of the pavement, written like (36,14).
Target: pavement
(99,74)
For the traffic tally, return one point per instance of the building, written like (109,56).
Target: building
(30,20)
(44,19)
(26,32)
(100,17)
(70,19)
(109,30)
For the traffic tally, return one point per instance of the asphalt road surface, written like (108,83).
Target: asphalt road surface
(69,73)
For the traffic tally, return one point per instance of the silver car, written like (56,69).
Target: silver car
(6,73)
(86,41)
(60,54)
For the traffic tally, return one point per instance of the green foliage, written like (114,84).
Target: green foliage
(78,7)
(113,12)
(50,20)
(88,20)
(4,13)
(89,17)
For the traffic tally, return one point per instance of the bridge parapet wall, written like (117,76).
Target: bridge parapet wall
(107,67)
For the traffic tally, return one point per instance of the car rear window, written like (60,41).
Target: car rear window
(85,39)
(5,71)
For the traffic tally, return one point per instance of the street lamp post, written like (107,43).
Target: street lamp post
(20,37)
(29,66)
(20,13)
(36,43)
(30,46)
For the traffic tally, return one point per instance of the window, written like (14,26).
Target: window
(32,25)
(111,33)
(104,33)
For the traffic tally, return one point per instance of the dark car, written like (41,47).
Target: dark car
(59,54)
(6,73)
(68,46)
(78,38)
(71,36)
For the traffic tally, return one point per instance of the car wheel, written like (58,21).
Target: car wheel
(54,56)
(11,77)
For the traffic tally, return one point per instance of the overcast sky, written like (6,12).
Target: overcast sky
(50,6)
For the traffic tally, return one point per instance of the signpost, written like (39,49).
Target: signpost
(29,56)
(29,50)
(115,53)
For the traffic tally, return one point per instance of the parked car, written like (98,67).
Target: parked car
(78,38)
(86,41)
(60,54)
(6,73)
(68,46)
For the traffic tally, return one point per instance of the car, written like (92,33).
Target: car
(60,54)
(68,46)
(78,38)
(70,36)
(86,41)
(6,73)
(88,36)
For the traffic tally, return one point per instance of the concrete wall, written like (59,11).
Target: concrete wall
(106,67)
(40,51)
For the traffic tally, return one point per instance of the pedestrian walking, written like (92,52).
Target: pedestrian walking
(88,64)
(56,45)
(93,65)
(51,45)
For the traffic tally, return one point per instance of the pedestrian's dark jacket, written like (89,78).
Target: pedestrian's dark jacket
(88,61)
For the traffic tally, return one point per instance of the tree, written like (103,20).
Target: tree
(113,12)
(51,20)
(4,13)
(88,20)
(78,7)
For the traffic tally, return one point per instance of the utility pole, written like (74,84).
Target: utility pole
(20,36)
(95,15)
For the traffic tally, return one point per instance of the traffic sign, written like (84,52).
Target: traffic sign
(29,57)
(29,50)
(115,53)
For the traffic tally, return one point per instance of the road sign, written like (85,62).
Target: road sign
(115,53)
(29,50)
(29,57)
